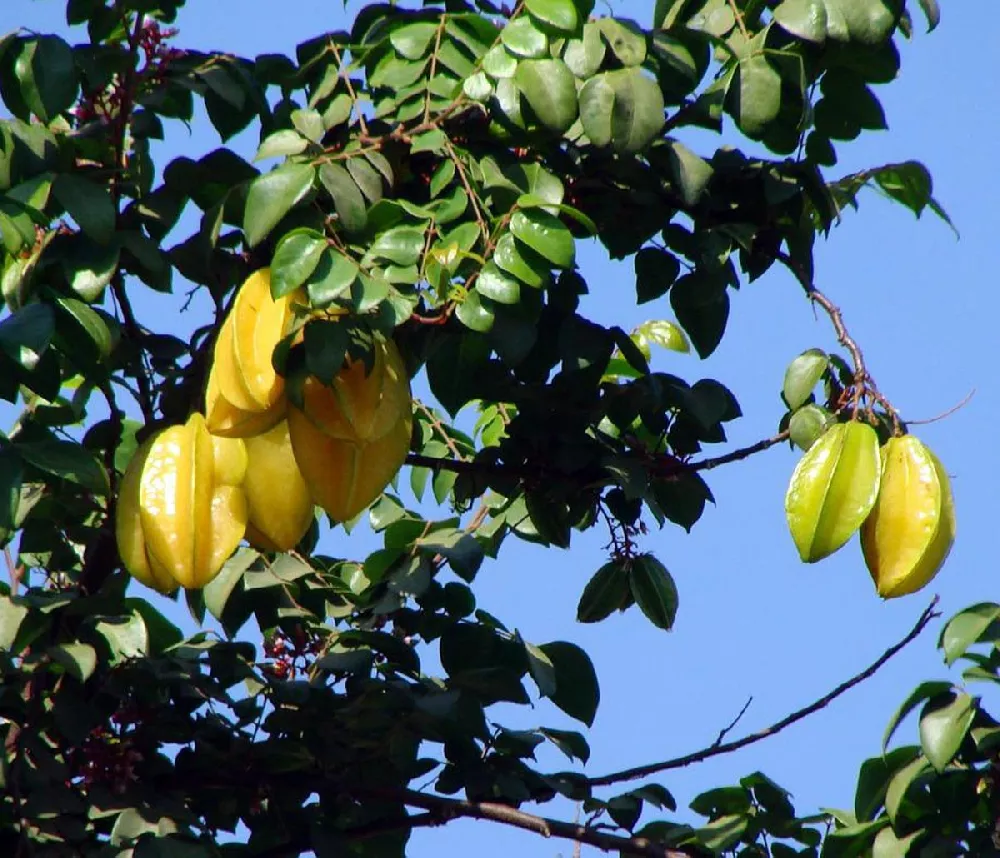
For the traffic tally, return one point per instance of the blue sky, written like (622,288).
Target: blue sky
(753,620)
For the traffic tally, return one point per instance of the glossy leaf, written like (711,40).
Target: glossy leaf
(966,628)
(944,724)
(550,89)
(545,234)
(271,196)
(622,109)
(802,376)
(295,259)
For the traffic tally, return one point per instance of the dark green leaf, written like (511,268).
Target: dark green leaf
(66,460)
(702,307)
(655,272)
(494,284)
(79,659)
(604,594)
(622,109)
(654,591)
(125,636)
(803,18)
(25,335)
(46,72)
(754,95)
(88,203)
(577,692)
(401,245)
(333,277)
(560,16)
(347,197)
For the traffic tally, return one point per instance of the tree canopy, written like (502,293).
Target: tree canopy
(410,222)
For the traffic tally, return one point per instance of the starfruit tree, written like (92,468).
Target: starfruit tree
(408,225)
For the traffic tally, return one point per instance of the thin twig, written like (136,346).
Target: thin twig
(434,59)
(738,15)
(351,92)
(944,414)
(845,339)
(725,731)
(728,747)
(738,455)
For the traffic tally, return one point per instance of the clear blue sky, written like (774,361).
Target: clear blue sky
(753,620)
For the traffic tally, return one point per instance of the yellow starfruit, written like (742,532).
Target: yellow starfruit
(244,395)
(359,407)
(181,507)
(909,534)
(344,477)
(280,505)
(350,439)
(833,489)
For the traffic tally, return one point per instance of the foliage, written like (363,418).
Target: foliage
(430,174)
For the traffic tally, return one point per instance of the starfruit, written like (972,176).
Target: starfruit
(351,438)
(910,531)
(833,489)
(181,508)
(280,507)
(244,394)
(357,405)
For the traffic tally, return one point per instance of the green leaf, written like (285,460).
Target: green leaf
(125,636)
(577,692)
(453,367)
(46,73)
(326,343)
(151,264)
(89,268)
(655,271)
(401,245)
(526,265)
(545,234)
(808,424)
(476,313)
(26,334)
(523,39)
(900,784)
(272,195)
(11,482)
(691,172)
(869,22)
(932,13)
(494,284)
(626,40)
(560,16)
(965,628)
(584,56)
(66,460)
(542,670)
(622,109)
(802,376)
(754,95)
(701,304)
(347,198)
(654,590)
(874,778)
(88,203)
(660,332)
(295,259)
(888,844)
(12,614)
(87,321)
(572,744)
(79,659)
(332,278)
(550,88)
(803,18)
(414,40)
(604,594)
(220,589)
(283,142)
(924,691)
(943,725)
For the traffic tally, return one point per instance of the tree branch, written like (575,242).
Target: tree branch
(448,809)
(728,747)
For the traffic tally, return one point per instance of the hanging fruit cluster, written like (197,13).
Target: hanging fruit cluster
(256,465)
(898,496)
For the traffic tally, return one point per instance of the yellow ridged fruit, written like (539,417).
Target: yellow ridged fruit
(359,407)
(911,529)
(350,439)
(344,477)
(280,505)
(181,509)
(833,489)
(244,395)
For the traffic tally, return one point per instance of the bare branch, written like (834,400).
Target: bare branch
(728,747)
(725,731)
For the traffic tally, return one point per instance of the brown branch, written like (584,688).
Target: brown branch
(434,60)
(351,92)
(447,809)
(738,455)
(845,339)
(728,747)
